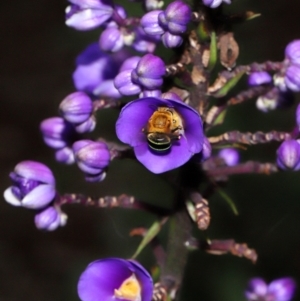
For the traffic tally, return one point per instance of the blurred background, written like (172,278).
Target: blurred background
(37,60)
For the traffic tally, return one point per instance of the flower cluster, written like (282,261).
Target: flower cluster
(34,188)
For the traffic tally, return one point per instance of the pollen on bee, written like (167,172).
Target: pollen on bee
(130,289)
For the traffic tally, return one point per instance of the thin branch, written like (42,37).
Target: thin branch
(121,201)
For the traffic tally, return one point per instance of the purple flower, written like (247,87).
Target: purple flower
(50,219)
(278,290)
(76,107)
(164,133)
(292,52)
(288,155)
(65,155)
(144,42)
(215,3)
(92,158)
(259,78)
(171,40)
(230,156)
(33,185)
(150,23)
(57,133)
(88,14)
(113,279)
(96,70)
(292,78)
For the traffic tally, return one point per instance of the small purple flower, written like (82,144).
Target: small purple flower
(144,42)
(259,78)
(150,23)
(281,289)
(57,133)
(171,40)
(33,185)
(92,158)
(50,219)
(292,52)
(215,3)
(288,155)
(292,78)
(165,133)
(88,14)
(230,156)
(76,107)
(113,279)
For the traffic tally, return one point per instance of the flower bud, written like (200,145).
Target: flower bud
(292,52)
(92,158)
(123,83)
(150,23)
(33,185)
(259,78)
(292,78)
(256,290)
(76,107)
(215,3)
(230,156)
(288,155)
(86,15)
(50,219)
(87,126)
(111,40)
(171,41)
(149,72)
(56,132)
(65,155)
(176,17)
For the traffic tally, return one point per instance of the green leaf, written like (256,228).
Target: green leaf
(229,85)
(202,32)
(228,200)
(151,233)
(220,119)
(213,51)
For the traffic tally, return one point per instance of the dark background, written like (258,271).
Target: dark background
(37,59)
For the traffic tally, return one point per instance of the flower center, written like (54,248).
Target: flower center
(130,289)
(164,126)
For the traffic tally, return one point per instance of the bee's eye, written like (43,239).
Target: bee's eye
(159,142)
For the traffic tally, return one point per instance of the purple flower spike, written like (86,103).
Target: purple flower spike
(92,158)
(111,39)
(149,72)
(56,132)
(33,185)
(76,107)
(288,155)
(113,279)
(176,17)
(50,219)
(259,78)
(281,289)
(230,156)
(292,52)
(215,3)
(164,133)
(87,14)
(292,78)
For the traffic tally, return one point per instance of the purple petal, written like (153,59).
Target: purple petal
(257,288)
(108,89)
(39,197)
(162,162)
(134,117)
(125,85)
(101,278)
(11,198)
(35,171)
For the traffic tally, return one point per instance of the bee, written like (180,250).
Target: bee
(164,126)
